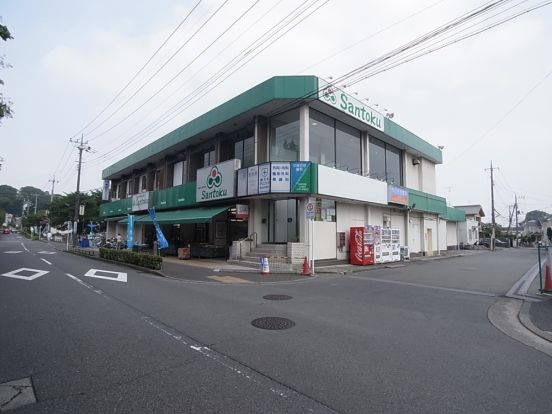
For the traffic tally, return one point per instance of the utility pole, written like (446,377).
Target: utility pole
(36,201)
(81,146)
(53,181)
(493,235)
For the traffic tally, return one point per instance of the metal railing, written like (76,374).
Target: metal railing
(543,251)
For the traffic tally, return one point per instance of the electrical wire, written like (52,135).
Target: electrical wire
(230,65)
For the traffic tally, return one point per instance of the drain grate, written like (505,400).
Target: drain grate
(277,297)
(273,323)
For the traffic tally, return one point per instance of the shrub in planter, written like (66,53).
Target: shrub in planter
(126,256)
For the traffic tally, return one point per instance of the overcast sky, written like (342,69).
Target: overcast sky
(485,98)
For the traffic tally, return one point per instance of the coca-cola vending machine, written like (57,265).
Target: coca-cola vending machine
(361,246)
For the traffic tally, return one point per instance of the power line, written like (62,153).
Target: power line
(133,78)
(209,83)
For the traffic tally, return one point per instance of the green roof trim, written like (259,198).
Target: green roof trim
(116,208)
(427,202)
(413,141)
(279,87)
(189,216)
(454,214)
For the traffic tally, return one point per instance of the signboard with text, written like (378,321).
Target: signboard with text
(301,172)
(279,177)
(264,178)
(253,180)
(216,182)
(397,195)
(140,201)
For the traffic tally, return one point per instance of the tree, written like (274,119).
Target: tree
(5,104)
(63,208)
(9,201)
(536,215)
(31,194)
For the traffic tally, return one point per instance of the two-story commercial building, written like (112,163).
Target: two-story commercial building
(291,162)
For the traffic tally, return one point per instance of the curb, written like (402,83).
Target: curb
(525,320)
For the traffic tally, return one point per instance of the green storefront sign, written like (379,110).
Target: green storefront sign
(301,177)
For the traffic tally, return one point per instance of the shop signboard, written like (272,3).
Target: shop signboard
(397,195)
(279,177)
(301,177)
(264,178)
(253,180)
(216,182)
(242,211)
(140,201)
(130,231)
(335,97)
(242,182)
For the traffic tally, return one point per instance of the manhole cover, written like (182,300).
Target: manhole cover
(277,297)
(273,323)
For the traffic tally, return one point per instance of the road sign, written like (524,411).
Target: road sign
(310,211)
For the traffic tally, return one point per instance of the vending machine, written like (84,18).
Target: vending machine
(361,246)
(377,244)
(395,245)
(386,245)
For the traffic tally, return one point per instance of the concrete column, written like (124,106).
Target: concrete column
(304,133)
(254,225)
(365,154)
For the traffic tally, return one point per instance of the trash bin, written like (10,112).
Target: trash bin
(85,243)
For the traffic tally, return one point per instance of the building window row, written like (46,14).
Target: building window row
(385,162)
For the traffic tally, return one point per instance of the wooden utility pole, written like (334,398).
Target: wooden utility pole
(493,235)
(53,181)
(81,146)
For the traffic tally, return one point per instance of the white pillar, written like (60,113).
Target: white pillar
(304,133)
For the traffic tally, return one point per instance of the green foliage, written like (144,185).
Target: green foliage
(536,215)
(9,201)
(549,233)
(126,256)
(6,110)
(63,207)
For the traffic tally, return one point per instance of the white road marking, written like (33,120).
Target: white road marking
(45,261)
(420,285)
(118,276)
(216,357)
(24,247)
(15,273)
(520,288)
(13,251)
(46,252)
(86,285)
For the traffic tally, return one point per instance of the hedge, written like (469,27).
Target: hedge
(127,256)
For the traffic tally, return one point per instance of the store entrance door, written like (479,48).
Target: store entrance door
(282,216)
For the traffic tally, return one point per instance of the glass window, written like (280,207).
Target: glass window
(377,159)
(385,162)
(347,148)
(321,139)
(244,150)
(393,164)
(284,137)
(209,158)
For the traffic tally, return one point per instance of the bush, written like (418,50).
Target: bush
(126,256)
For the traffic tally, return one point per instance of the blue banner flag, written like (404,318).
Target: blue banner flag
(130,232)
(161,240)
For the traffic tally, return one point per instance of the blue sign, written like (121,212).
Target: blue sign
(130,232)
(300,177)
(161,240)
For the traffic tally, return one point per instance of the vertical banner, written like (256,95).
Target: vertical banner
(105,190)
(161,240)
(130,232)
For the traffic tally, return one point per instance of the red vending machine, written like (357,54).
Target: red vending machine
(361,246)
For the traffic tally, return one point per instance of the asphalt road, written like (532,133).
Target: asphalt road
(412,339)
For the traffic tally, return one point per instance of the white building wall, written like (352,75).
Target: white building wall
(411,172)
(349,215)
(414,238)
(398,222)
(443,235)
(324,240)
(451,234)
(430,223)
(428,177)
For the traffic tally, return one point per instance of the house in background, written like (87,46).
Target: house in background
(468,231)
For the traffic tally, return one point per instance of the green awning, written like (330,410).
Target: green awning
(188,216)
(116,218)
(136,218)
